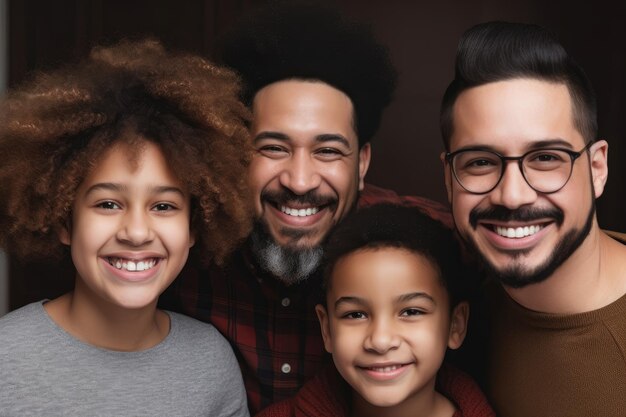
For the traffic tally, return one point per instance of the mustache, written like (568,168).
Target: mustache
(522,214)
(285,195)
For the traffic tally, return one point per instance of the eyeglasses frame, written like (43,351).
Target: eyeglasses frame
(573,156)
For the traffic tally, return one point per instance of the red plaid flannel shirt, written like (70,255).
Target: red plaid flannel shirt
(272,327)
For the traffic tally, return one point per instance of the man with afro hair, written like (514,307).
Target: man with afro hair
(317,85)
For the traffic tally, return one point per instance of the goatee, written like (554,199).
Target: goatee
(516,275)
(289,264)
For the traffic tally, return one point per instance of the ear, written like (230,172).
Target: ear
(447,177)
(192,238)
(458,325)
(64,234)
(598,156)
(365,154)
(322,316)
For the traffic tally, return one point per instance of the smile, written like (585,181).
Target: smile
(386,372)
(517,232)
(385,369)
(303,212)
(133,265)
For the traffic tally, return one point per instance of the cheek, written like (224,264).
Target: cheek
(345,182)
(89,232)
(176,235)
(462,205)
(577,199)
(345,341)
(261,171)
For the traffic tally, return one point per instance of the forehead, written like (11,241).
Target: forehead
(513,115)
(299,109)
(141,158)
(385,272)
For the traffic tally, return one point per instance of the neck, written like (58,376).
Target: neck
(100,323)
(591,278)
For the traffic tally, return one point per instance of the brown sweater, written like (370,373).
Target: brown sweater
(557,365)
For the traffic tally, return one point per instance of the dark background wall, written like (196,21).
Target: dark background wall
(422,37)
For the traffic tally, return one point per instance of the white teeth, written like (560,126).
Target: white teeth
(517,232)
(385,368)
(299,212)
(132,266)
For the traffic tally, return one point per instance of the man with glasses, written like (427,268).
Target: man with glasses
(523,169)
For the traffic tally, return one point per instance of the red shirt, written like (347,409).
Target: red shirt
(328,395)
(272,328)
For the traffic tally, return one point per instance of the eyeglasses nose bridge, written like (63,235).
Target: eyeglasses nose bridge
(520,165)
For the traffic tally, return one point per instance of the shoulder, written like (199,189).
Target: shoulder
(620,237)
(194,330)
(283,408)
(199,339)
(20,321)
(197,348)
(463,391)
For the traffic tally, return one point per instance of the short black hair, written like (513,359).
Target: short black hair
(409,228)
(309,41)
(499,51)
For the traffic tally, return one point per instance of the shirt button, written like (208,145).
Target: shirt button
(285,302)
(285,368)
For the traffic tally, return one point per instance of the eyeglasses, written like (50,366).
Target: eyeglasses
(545,170)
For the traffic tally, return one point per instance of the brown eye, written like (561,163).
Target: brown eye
(355,315)
(412,312)
(163,207)
(108,205)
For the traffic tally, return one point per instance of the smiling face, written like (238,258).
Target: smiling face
(308,167)
(129,234)
(388,324)
(523,235)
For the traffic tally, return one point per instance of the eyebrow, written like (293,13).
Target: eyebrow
(547,143)
(540,144)
(400,299)
(323,138)
(111,186)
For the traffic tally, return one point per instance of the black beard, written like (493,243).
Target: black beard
(516,276)
(289,264)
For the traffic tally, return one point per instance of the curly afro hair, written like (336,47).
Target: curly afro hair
(54,129)
(305,40)
(394,226)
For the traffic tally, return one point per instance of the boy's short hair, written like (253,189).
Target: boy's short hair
(394,226)
(57,126)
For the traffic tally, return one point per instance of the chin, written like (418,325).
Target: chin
(135,302)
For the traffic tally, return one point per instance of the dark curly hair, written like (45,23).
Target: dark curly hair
(394,226)
(54,129)
(309,41)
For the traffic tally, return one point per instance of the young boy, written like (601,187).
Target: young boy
(124,162)
(394,289)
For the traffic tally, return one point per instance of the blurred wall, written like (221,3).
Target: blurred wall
(422,38)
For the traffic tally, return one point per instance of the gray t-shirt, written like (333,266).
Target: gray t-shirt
(44,371)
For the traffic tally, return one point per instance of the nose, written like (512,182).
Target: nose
(382,337)
(513,191)
(135,228)
(300,173)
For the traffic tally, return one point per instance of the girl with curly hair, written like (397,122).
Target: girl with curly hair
(123,162)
